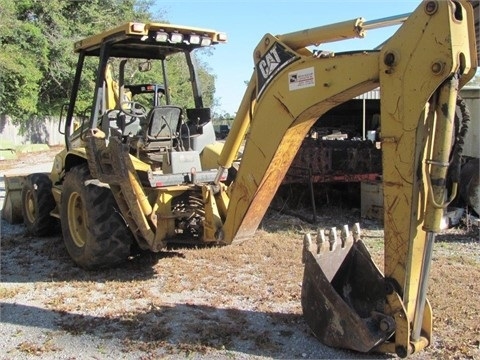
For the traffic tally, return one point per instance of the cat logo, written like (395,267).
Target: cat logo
(275,59)
(269,62)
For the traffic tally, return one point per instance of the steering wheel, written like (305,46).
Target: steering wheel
(133,109)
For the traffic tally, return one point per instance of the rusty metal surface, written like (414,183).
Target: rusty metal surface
(113,165)
(335,161)
(12,204)
(343,296)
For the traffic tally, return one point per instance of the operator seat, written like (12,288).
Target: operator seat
(163,124)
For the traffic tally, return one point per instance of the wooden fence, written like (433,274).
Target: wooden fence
(36,131)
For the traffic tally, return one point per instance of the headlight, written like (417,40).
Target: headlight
(176,38)
(206,41)
(138,27)
(194,39)
(161,36)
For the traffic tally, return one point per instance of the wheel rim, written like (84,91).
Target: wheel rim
(77,219)
(30,206)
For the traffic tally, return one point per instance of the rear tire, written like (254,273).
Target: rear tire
(94,233)
(37,203)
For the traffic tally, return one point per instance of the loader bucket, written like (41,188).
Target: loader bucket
(343,292)
(12,203)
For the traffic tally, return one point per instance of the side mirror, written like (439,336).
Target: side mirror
(145,66)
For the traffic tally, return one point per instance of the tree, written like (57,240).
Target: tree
(37,62)
(23,55)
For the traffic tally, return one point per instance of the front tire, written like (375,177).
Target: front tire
(37,203)
(94,233)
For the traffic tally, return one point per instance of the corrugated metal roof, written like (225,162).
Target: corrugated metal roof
(375,94)
(371,95)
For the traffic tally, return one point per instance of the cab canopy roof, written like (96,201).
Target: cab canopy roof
(149,40)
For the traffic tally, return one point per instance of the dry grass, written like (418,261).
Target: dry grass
(30,158)
(31,348)
(243,297)
(8,292)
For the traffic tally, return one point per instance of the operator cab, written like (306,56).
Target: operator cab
(163,135)
(160,128)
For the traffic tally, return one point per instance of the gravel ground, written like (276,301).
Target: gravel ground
(235,302)
(53,310)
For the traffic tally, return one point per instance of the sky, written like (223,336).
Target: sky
(246,21)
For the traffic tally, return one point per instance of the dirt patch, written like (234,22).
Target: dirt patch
(27,162)
(238,302)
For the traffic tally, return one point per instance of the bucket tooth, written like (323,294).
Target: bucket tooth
(322,243)
(356,232)
(307,246)
(332,238)
(343,292)
(344,235)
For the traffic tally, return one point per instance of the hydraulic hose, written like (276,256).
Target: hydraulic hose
(461,133)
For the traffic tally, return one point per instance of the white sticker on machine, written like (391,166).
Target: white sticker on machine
(301,79)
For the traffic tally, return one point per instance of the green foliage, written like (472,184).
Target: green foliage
(19,77)
(23,56)
(181,90)
(37,62)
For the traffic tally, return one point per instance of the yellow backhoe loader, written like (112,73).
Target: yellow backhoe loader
(153,176)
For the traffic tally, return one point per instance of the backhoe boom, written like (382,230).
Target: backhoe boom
(141,171)
(415,71)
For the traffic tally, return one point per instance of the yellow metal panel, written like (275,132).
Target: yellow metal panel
(328,33)
(212,223)
(291,112)
(139,30)
(210,155)
(412,68)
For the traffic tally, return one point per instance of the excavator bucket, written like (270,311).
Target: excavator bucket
(12,202)
(343,292)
